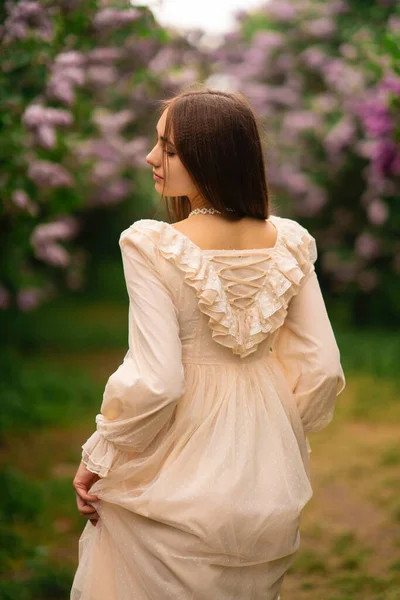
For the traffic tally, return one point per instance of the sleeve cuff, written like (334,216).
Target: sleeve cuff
(98,454)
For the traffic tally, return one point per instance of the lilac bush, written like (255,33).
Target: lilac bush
(325,79)
(78,87)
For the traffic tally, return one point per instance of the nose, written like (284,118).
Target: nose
(152,159)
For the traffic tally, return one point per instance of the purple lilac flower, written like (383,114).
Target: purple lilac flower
(376,117)
(113,193)
(29,298)
(104,171)
(314,200)
(268,40)
(282,10)
(313,57)
(342,77)
(26,17)
(75,75)
(22,201)
(53,254)
(338,7)
(394,24)
(61,229)
(61,90)
(111,123)
(385,154)
(285,62)
(348,51)
(301,120)
(181,78)
(104,55)
(143,49)
(106,150)
(137,150)
(234,36)
(367,246)
(395,167)
(377,212)
(110,18)
(254,61)
(102,75)
(46,137)
(282,95)
(70,59)
(37,115)
(66,74)
(259,95)
(366,148)
(163,60)
(41,120)
(391,83)
(48,174)
(319,28)
(340,136)
(378,184)
(296,181)
(324,103)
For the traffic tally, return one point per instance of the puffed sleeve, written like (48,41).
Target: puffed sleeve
(140,397)
(307,350)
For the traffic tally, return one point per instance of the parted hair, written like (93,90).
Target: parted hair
(217,138)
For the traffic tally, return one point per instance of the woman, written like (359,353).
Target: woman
(198,471)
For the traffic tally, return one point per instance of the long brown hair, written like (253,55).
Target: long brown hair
(217,138)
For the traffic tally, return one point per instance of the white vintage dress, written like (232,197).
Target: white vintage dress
(201,440)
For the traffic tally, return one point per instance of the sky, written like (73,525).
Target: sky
(216,17)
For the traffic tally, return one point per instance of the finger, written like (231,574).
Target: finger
(93,515)
(91,497)
(80,503)
(83,494)
(87,510)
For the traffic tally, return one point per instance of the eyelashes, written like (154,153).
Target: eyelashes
(169,153)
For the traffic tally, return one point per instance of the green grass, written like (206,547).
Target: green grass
(374,352)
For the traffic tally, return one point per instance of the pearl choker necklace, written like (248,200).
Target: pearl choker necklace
(204,211)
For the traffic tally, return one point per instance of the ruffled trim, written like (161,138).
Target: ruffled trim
(98,454)
(291,259)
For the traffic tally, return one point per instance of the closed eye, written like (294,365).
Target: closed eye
(170,152)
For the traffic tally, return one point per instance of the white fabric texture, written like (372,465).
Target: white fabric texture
(201,441)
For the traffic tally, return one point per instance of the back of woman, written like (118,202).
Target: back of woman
(198,469)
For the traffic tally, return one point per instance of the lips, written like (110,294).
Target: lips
(159,176)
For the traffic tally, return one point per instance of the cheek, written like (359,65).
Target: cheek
(177,178)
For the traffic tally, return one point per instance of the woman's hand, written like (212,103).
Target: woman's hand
(82,482)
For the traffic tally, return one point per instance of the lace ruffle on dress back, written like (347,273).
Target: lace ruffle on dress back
(200,442)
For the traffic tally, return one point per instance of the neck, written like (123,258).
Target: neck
(200,204)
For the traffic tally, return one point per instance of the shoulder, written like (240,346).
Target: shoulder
(140,230)
(296,238)
(289,225)
(139,241)
(141,235)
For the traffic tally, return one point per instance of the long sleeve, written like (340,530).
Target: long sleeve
(140,397)
(307,350)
